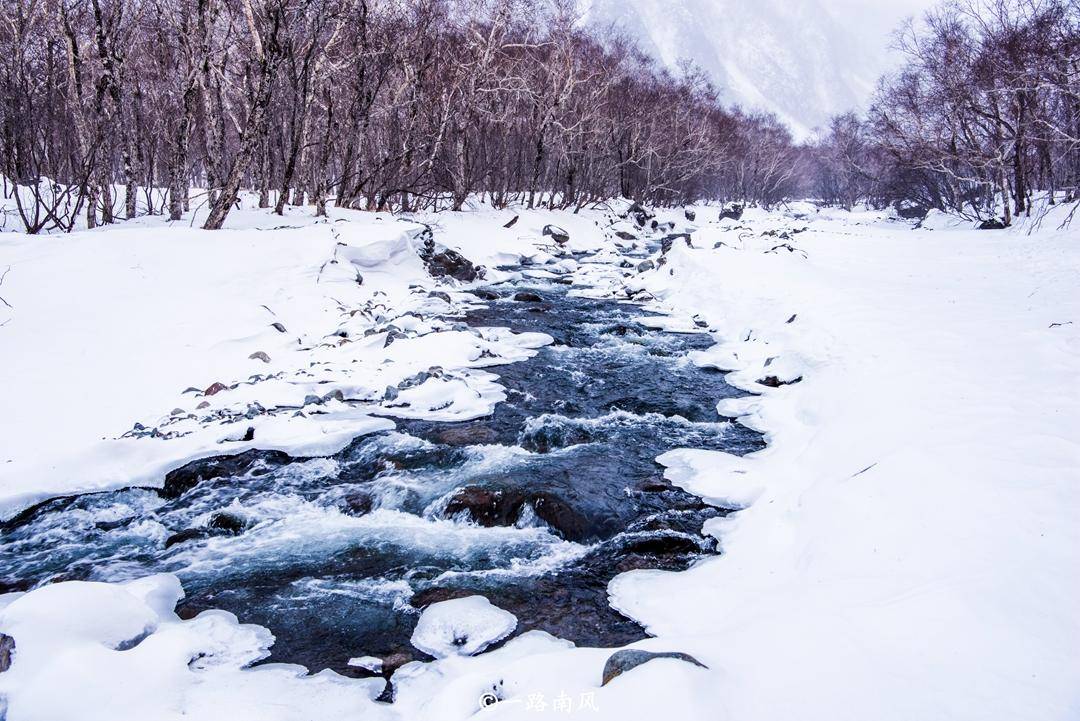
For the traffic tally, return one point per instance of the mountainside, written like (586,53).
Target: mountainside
(802,59)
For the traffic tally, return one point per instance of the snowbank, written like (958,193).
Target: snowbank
(128,351)
(909,546)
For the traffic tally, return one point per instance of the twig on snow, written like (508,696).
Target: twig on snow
(2,276)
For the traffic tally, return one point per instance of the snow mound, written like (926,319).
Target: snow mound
(461,627)
(76,611)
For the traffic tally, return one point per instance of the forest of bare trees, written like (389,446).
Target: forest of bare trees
(114,108)
(984,115)
(378,104)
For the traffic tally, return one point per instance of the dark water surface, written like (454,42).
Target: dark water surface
(536,507)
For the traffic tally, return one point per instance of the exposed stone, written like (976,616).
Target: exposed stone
(528,297)
(640,214)
(395,661)
(555,512)
(215,388)
(645,265)
(488,507)
(662,544)
(467,435)
(628,659)
(911,211)
(690,215)
(623,235)
(228,523)
(7,651)
(440,295)
(425,598)
(259,355)
(557,234)
(183,479)
(188,534)
(732,212)
(357,503)
(278,327)
(512,222)
(669,241)
(992,224)
(484,294)
(775,382)
(446,263)
(390,664)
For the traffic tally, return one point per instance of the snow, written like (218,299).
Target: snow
(905,547)
(461,627)
(909,549)
(133,324)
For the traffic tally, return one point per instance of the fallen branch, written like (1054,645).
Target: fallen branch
(2,276)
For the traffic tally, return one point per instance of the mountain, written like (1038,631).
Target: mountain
(805,60)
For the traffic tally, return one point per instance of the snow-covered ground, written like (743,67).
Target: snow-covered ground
(136,324)
(907,546)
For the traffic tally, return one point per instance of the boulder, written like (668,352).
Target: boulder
(446,263)
(228,523)
(992,224)
(690,215)
(645,265)
(557,234)
(630,658)
(445,297)
(528,297)
(188,534)
(183,479)
(732,212)
(356,503)
(488,507)
(668,241)
(467,435)
(640,214)
(563,519)
(215,388)
(662,544)
(623,235)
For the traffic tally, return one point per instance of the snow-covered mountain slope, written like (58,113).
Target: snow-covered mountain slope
(802,59)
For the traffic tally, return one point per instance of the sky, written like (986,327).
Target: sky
(805,60)
(878,17)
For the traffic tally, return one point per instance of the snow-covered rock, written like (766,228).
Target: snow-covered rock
(461,627)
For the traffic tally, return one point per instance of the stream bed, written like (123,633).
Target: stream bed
(536,507)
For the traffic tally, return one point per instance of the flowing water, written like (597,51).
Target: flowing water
(536,507)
